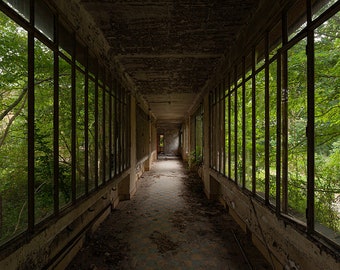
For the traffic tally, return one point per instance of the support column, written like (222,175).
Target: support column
(148,162)
(133,161)
(206,148)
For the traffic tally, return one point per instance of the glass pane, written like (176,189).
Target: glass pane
(239,74)
(100,135)
(91,126)
(119,127)
(65,132)
(320,6)
(107,135)
(80,133)
(259,54)
(260,133)
(239,137)
(44,19)
(275,39)
(66,41)
(297,122)
(327,128)
(81,55)
(216,130)
(226,123)
(199,139)
(22,7)
(272,131)
(43,133)
(248,128)
(127,127)
(232,136)
(296,18)
(13,129)
(113,132)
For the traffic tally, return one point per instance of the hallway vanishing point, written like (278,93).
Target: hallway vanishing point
(169,224)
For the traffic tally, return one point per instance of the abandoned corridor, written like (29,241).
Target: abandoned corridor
(169,224)
(246,92)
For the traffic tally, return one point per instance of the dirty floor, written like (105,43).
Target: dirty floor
(169,224)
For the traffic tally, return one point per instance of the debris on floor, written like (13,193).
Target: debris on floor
(169,224)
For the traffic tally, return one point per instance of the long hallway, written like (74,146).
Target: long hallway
(169,224)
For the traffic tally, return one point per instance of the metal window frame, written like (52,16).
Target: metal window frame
(56,118)
(30,125)
(253,117)
(235,125)
(32,34)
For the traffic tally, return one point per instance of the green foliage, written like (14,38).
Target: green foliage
(13,128)
(195,160)
(327,128)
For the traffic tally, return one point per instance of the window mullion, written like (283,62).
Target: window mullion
(30,120)
(74,120)
(310,122)
(284,115)
(56,118)
(267,120)
(253,162)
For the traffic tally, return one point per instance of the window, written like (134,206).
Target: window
(282,129)
(161,141)
(92,163)
(65,132)
(58,120)
(13,129)
(43,132)
(327,128)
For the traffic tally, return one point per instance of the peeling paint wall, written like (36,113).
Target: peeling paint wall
(171,140)
(186,141)
(50,247)
(284,246)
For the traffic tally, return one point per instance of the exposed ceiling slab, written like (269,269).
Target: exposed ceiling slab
(170,49)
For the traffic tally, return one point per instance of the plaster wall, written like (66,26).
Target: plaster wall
(171,141)
(206,157)
(185,142)
(133,150)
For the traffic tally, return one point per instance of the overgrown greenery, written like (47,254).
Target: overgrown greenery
(13,127)
(327,130)
(14,130)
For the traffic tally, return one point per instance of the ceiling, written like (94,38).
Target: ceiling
(170,49)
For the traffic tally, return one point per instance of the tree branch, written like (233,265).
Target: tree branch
(14,104)
(2,139)
(19,217)
(21,96)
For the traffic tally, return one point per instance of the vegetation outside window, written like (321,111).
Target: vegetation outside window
(260,133)
(327,128)
(43,134)
(296,134)
(13,129)
(65,129)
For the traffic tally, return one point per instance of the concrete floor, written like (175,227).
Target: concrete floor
(169,224)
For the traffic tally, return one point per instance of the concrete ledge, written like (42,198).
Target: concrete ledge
(238,220)
(133,191)
(115,202)
(263,249)
(47,248)
(100,220)
(286,245)
(68,255)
